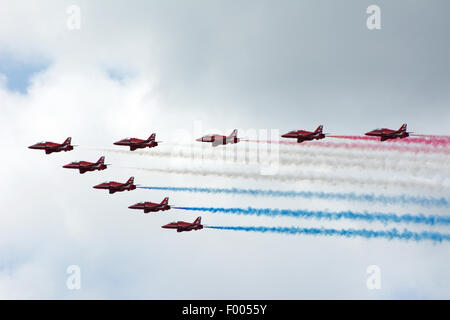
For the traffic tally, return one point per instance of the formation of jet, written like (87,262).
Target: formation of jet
(135,143)
(50,147)
(217,139)
(214,139)
(302,135)
(113,186)
(152,207)
(185,226)
(85,166)
(386,134)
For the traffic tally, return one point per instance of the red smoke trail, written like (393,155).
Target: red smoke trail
(433,141)
(356,138)
(430,136)
(362,146)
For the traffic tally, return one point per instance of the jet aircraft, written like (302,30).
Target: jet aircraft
(217,139)
(185,226)
(302,135)
(135,143)
(113,186)
(85,166)
(50,147)
(386,134)
(152,207)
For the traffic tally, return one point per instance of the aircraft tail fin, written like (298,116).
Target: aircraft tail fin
(198,220)
(402,128)
(319,129)
(131,180)
(165,200)
(152,137)
(233,134)
(67,141)
(101,160)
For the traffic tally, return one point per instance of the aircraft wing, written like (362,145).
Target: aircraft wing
(138,143)
(389,134)
(54,147)
(88,165)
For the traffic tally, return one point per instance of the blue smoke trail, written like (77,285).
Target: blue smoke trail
(364,216)
(368,234)
(422,201)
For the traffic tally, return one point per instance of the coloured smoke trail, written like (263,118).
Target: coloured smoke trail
(323,149)
(419,164)
(311,148)
(347,233)
(371,198)
(349,215)
(314,154)
(430,136)
(372,163)
(330,179)
(433,141)
(405,158)
(364,146)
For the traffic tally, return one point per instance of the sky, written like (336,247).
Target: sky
(182,70)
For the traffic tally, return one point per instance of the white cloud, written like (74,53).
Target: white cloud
(228,66)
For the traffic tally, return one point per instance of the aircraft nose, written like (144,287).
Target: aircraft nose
(97,186)
(32,146)
(199,139)
(66,166)
(133,206)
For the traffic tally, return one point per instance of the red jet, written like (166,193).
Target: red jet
(113,186)
(185,226)
(218,139)
(302,135)
(135,143)
(85,166)
(50,147)
(152,207)
(386,134)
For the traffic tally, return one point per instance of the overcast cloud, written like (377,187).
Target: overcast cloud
(139,67)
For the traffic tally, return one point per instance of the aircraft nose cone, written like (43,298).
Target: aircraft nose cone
(199,139)
(32,146)
(97,186)
(133,206)
(66,166)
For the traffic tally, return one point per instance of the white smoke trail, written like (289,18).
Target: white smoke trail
(252,151)
(388,156)
(338,161)
(329,179)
